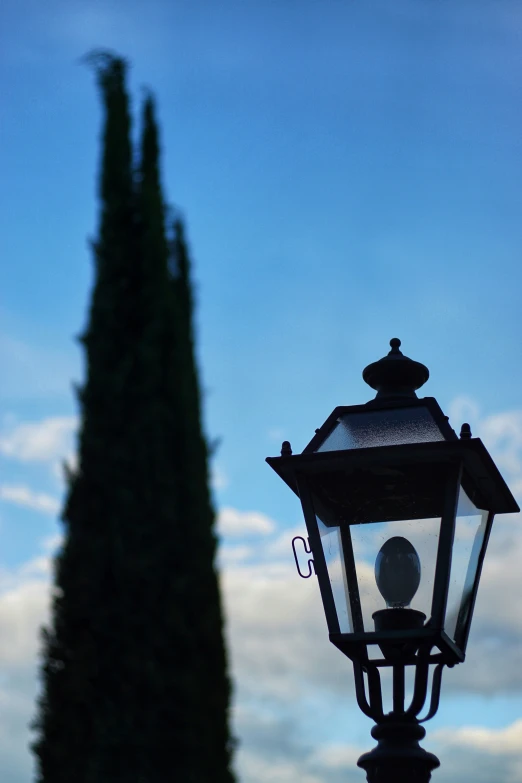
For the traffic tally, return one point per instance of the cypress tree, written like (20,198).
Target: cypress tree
(192,472)
(136,620)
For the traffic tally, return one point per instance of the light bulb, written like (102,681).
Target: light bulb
(397,572)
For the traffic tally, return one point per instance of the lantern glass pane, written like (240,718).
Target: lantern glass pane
(334,557)
(470,530)
(359,511)
(391,427)
(368,539)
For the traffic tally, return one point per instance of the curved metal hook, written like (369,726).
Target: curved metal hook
(308,550)
(435,693)
(371,707)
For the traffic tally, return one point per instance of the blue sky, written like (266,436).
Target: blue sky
(349,172)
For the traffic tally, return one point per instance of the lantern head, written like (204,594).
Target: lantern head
(398,511)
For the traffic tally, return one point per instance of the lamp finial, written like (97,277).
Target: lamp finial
(395,375)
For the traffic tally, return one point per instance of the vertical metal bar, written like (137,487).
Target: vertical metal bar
(351,578)
(360,690)
(321,569)
(371,707)
(398,688)
(435,693)
(463,634)
(375,692)
(444,550)
(420,689)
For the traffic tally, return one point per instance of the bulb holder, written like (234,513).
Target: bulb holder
(398,619)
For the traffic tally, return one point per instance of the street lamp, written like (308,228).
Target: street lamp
(398,511)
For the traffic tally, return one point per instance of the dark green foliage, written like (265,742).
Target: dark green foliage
(193,490)
(135,688)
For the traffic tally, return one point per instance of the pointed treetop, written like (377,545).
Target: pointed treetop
(150,136)
(110,67)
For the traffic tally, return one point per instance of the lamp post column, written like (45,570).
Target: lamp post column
(398,757)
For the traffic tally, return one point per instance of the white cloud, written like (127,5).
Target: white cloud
(22,610)
(337,756)
(24,604)
(229,555)
(281,547)
(24,496)
(463,409)
(274,749)
(493,754)
(40,441)
(263,769)
(232,522)
(496,741)
(278,635)
(501,433)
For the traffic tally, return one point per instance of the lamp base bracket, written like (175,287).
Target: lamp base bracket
(398,756)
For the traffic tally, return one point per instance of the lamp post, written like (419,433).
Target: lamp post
(398,511)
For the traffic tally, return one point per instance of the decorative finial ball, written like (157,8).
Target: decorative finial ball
(395,375)
(286,449)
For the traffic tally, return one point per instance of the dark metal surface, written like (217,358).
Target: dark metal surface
(482,480)
(435,693)
(286,449)
(420,688)
(354,645)
(399,678)
(395,375)
(465,432)
(321,570)
(398,757)
(369,698)
(351,578)
(445,547)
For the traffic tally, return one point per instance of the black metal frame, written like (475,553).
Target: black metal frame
(481,478)
(427,478)
(398,757)
(354,645)
(351,577)
(445,547)
(468,463)
(321,569)
(370,700)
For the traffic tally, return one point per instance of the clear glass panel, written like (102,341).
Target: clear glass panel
(333,554)
(470,529)
(390,427)
(368,539)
